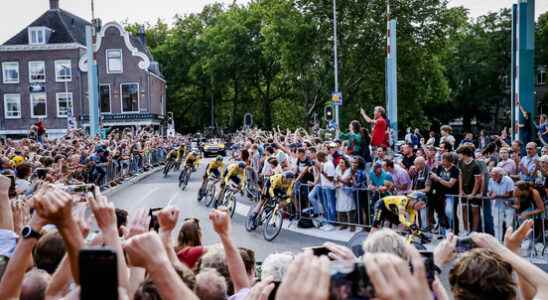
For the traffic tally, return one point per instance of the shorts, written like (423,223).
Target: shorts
(236,179)
(473,202)
(215,172)
(383,214)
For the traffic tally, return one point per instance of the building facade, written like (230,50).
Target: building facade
(44,76)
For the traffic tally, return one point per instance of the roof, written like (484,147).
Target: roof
(136,42)
(66,28)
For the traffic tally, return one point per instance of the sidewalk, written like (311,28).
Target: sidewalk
(343,236)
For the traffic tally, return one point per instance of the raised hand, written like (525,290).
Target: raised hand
(307,278)
(104,212)
(513,239)
(167,218)
(54,205)
(139,223)
(221,221)
(145,251)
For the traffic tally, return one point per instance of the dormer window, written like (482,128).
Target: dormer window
(38,35)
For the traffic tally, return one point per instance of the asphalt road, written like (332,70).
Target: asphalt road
(157,191)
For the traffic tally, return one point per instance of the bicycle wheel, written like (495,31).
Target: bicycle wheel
(229,202)
(273,225)
(166,169)
(251,224)
(210,194)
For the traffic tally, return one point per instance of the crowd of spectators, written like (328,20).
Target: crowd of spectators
(44,227)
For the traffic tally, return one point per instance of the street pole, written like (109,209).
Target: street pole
(92,85)
(336,66)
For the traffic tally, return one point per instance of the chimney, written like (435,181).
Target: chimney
(142,35)
(53,4)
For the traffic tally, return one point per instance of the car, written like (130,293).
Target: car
(214,147)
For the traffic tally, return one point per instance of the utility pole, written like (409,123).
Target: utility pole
(336,68)
(93,88)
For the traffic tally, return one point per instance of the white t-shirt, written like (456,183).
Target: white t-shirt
(329,170)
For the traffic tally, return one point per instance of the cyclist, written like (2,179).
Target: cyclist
(213,168)
(395,208)
(181,152)
(279,185)
(234,172)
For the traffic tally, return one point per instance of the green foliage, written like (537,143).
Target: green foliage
(274,59)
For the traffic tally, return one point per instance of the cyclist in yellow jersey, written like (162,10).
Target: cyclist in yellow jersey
(279,185)
(395,209)
(213,168)
(234,172)
(191,159)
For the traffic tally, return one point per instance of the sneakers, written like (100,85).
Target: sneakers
(327,227)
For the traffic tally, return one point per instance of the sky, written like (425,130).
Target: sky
(16,15)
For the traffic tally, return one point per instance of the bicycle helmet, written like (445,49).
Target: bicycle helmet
(241,165)
(417,196)
(288,175)
(219,158)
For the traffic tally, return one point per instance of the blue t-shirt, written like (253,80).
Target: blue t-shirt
(379,180)
(542,130)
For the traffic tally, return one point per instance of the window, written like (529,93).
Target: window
(64,105)
(114,61)
(104,98)
(38,103)
(37,71)
(130,97)
(37,35)
(12,106)
(63,70)
(10,71)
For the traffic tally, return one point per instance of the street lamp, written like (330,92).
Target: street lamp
(336,67)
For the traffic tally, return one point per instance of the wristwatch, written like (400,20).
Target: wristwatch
(29,233)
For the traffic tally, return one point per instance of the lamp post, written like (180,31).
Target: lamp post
(336,67)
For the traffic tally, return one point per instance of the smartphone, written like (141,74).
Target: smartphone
(320,251)
(80,188)
(350,282)
(274,291)
(98,274)
(429,266)
(464,244)
(154,225)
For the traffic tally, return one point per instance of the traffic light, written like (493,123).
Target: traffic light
(328,113)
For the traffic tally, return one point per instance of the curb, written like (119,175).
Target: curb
(336,235)
(131,181)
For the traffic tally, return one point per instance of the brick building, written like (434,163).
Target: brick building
(44,75)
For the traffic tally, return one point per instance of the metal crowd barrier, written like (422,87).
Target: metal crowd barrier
(117,170)
(364,200)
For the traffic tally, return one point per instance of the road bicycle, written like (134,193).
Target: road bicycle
(184,177)
(271,217)
(229,197)
(169,165)
(211,188)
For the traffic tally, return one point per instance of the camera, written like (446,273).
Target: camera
(464,244)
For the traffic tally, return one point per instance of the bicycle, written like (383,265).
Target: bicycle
(184,177)
(210,190)
(168,166)
(229,197)
(271,216)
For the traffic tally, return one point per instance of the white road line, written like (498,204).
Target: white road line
(149,193)
(173,198)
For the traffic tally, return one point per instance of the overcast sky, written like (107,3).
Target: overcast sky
(16,14)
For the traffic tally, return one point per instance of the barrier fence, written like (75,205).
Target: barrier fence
(113,171)
(355,207)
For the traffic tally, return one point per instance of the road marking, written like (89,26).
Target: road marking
(173,198)
(149,193)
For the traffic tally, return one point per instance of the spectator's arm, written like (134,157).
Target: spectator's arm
(234,261)
(146,251)
(136,276)
(106,221)
(10,286)
(60,281)
(478,179)
(167,218)
(525,269)
(6,217)
(512,241)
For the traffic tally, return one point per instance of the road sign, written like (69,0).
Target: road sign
(337,98)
